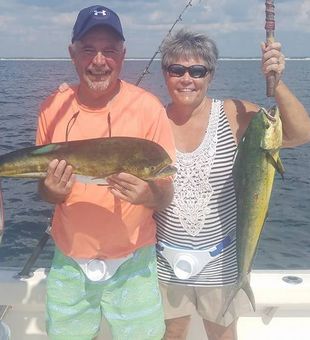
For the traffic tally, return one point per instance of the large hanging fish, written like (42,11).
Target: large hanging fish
(254,169)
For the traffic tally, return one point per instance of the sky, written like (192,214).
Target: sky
(42,28)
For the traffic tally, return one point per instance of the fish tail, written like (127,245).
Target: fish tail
(249,292)
(277,163)
(1,215)
(245,286)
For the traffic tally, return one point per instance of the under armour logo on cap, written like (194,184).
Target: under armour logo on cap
(100,12)
(94,16)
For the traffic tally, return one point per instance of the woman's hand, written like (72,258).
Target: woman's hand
(273,60)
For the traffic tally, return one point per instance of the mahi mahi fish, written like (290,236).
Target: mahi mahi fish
(256,162)
(92,158)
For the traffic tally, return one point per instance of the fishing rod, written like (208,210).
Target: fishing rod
(1,215)
(179,18)
(270,28)
(26,271)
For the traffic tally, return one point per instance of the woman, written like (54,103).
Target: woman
(203,212)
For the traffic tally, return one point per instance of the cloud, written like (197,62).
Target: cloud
(43,28)
(6,23)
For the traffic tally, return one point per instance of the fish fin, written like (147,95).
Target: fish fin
(243,284)
(1,215)
(249,292)
(277,163)
(280,167)
(230,298)
(32,175)
(45,149)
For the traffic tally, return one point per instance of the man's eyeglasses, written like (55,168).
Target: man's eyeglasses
(195,71)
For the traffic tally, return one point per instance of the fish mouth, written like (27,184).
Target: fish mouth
(168,170)
(271,113)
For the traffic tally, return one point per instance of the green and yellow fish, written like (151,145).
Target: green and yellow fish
(93,159)
(256,162)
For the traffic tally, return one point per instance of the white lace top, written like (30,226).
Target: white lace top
(203,210)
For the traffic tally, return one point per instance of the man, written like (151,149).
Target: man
(104,261)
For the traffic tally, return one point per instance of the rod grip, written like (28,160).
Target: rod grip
(270,28)
(271,78)
(270,85)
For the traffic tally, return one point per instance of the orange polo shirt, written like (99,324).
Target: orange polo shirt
(92,223)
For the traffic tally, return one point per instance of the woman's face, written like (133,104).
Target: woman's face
(186,89)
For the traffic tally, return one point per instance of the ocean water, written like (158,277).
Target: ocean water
(285,242)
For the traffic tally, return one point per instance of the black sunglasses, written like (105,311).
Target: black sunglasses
(195,71)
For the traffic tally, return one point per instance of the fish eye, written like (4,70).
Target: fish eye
(267,125)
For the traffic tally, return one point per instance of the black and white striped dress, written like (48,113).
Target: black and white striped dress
(203,210)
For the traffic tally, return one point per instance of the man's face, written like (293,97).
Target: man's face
(98,59)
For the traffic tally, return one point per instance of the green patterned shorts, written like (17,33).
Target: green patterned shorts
(130,300)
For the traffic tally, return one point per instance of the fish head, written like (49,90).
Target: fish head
(272,129)
(158,171)
(166,171)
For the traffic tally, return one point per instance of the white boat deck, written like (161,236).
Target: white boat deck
(283,309)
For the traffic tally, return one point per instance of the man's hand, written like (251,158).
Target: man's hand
(155,195)
(58,182)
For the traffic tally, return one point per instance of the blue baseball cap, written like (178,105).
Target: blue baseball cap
(94,16)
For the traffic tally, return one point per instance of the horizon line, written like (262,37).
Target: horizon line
(133,58)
